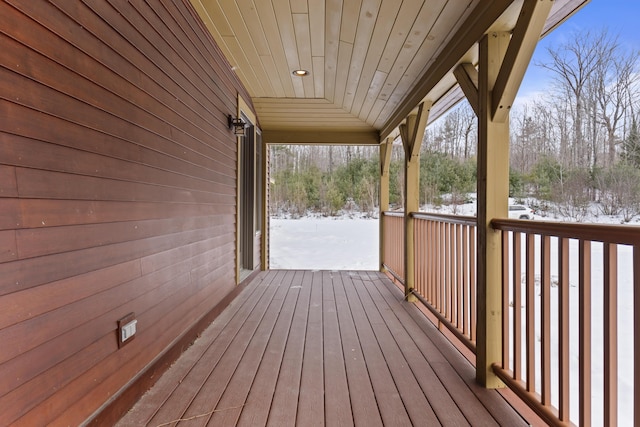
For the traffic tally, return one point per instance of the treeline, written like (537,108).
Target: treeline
(575,145)
(331,179)
(324,179)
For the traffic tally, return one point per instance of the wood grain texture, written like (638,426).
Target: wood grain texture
(321,348)
(8,186)
(117,193)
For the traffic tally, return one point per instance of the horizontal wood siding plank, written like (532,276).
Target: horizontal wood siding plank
(8,248)
(32,272)
(40,184)
(96,384)
(10,218)
(8,185)
(140,294)
(169,295)
(118,188)
(50,240)
(24,305)
(24,398)
(18,150)
(125,64)
(37,213)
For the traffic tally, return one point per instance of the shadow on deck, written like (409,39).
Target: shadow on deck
(321,348)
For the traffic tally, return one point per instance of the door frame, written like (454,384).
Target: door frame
(245,227)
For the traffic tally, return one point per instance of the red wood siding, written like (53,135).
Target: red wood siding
(117,195)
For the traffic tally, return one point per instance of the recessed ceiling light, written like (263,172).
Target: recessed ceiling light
(300,73)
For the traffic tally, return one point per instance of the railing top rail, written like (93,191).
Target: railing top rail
(451,219)
(606,233)
(394,213)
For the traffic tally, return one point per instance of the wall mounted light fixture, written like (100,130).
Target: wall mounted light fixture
(237,124)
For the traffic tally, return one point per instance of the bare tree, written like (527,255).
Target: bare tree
(455,134)
(614,82)
(597,82)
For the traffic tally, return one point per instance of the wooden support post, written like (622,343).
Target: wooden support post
(412,133)
(385,161)
(493,196)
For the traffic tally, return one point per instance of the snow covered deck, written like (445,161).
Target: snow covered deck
(321,348)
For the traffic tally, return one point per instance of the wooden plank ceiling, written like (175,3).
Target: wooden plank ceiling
(370,62)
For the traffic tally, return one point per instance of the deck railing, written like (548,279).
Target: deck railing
(566,288)
(571,314)
(445,271)
(393,244)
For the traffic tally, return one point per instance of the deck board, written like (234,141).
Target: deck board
(311,402)
(363,400)
(321,348)
(443,405)
(256,410)
(412,395)
(337,401)
(390,404)
(236,394)
(285,399)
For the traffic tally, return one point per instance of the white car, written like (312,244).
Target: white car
(520,212)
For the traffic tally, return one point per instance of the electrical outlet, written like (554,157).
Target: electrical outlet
(126,329)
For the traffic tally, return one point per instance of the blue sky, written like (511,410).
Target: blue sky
(619,17)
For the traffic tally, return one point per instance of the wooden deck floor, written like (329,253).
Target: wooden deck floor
(321,348)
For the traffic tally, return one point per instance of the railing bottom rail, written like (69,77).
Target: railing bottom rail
(442,319)
(547,413)
(395,275)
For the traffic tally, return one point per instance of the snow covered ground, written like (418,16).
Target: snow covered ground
(592,216)
(351,243)
(317,243)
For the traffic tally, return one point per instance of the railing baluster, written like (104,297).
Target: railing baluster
(460,291)
(451,272)
(393,250)
(585,332)
(563,333)
(505,300)
(545,284)
(447,284)
(636,334)
(465,279)
(441,278)
(450,284)
(419,256)
(432,262)
(610,335)
(435,262)
(530,313)
(517,305)
(472,285)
